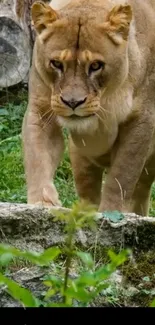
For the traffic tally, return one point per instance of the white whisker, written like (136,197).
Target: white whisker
(104,110)
(49,120)
(100,118)
(47,112)
(103,121)
(83,142)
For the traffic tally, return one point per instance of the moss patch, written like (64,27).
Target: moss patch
(141,274)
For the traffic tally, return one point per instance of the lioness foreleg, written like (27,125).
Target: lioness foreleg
(133,146)
(43,148)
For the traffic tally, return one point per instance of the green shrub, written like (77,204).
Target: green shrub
(85,287)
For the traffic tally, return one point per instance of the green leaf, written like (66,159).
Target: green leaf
(3,112)
(86,259)
(86,279)
(152,303)
(53,281)
(50,254)
(114,216)
(80,294)
(146,278)
(41,259)
(21,294)
(147,292)
(104,272)
(5,259)
(58,305)
(118,259)
(9,249)
(2,126)
(50,293)
(101,287)
(90,279)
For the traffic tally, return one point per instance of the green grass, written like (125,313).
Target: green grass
(12,176)
(13,183)
(12,186)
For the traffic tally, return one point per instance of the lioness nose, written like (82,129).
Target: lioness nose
(73,103)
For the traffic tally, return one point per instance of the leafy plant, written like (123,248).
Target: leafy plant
(89,282)
(152,303)
(11,120)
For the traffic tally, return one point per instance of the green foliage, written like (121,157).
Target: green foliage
(12,186)
(152,303)
(152,205)
(13,183)
(113,216)
(86,259)
(85,287)
(18,293)
(7,253)
(11,120)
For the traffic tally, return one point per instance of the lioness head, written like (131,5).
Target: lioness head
(82,51)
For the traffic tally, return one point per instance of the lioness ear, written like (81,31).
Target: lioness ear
(118,23)
(42,15)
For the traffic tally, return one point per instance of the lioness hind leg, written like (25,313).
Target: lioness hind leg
(141,196)
(88,178)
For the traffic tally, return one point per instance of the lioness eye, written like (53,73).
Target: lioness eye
(57,64)
(96,65)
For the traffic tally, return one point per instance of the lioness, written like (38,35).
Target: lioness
(93,72)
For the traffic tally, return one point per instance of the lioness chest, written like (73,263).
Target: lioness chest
(97,143)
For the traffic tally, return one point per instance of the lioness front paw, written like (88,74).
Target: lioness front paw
(110,206)
(49,197)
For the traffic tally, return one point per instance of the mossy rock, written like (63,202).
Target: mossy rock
(141,273)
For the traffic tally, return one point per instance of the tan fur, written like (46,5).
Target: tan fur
(113,125)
